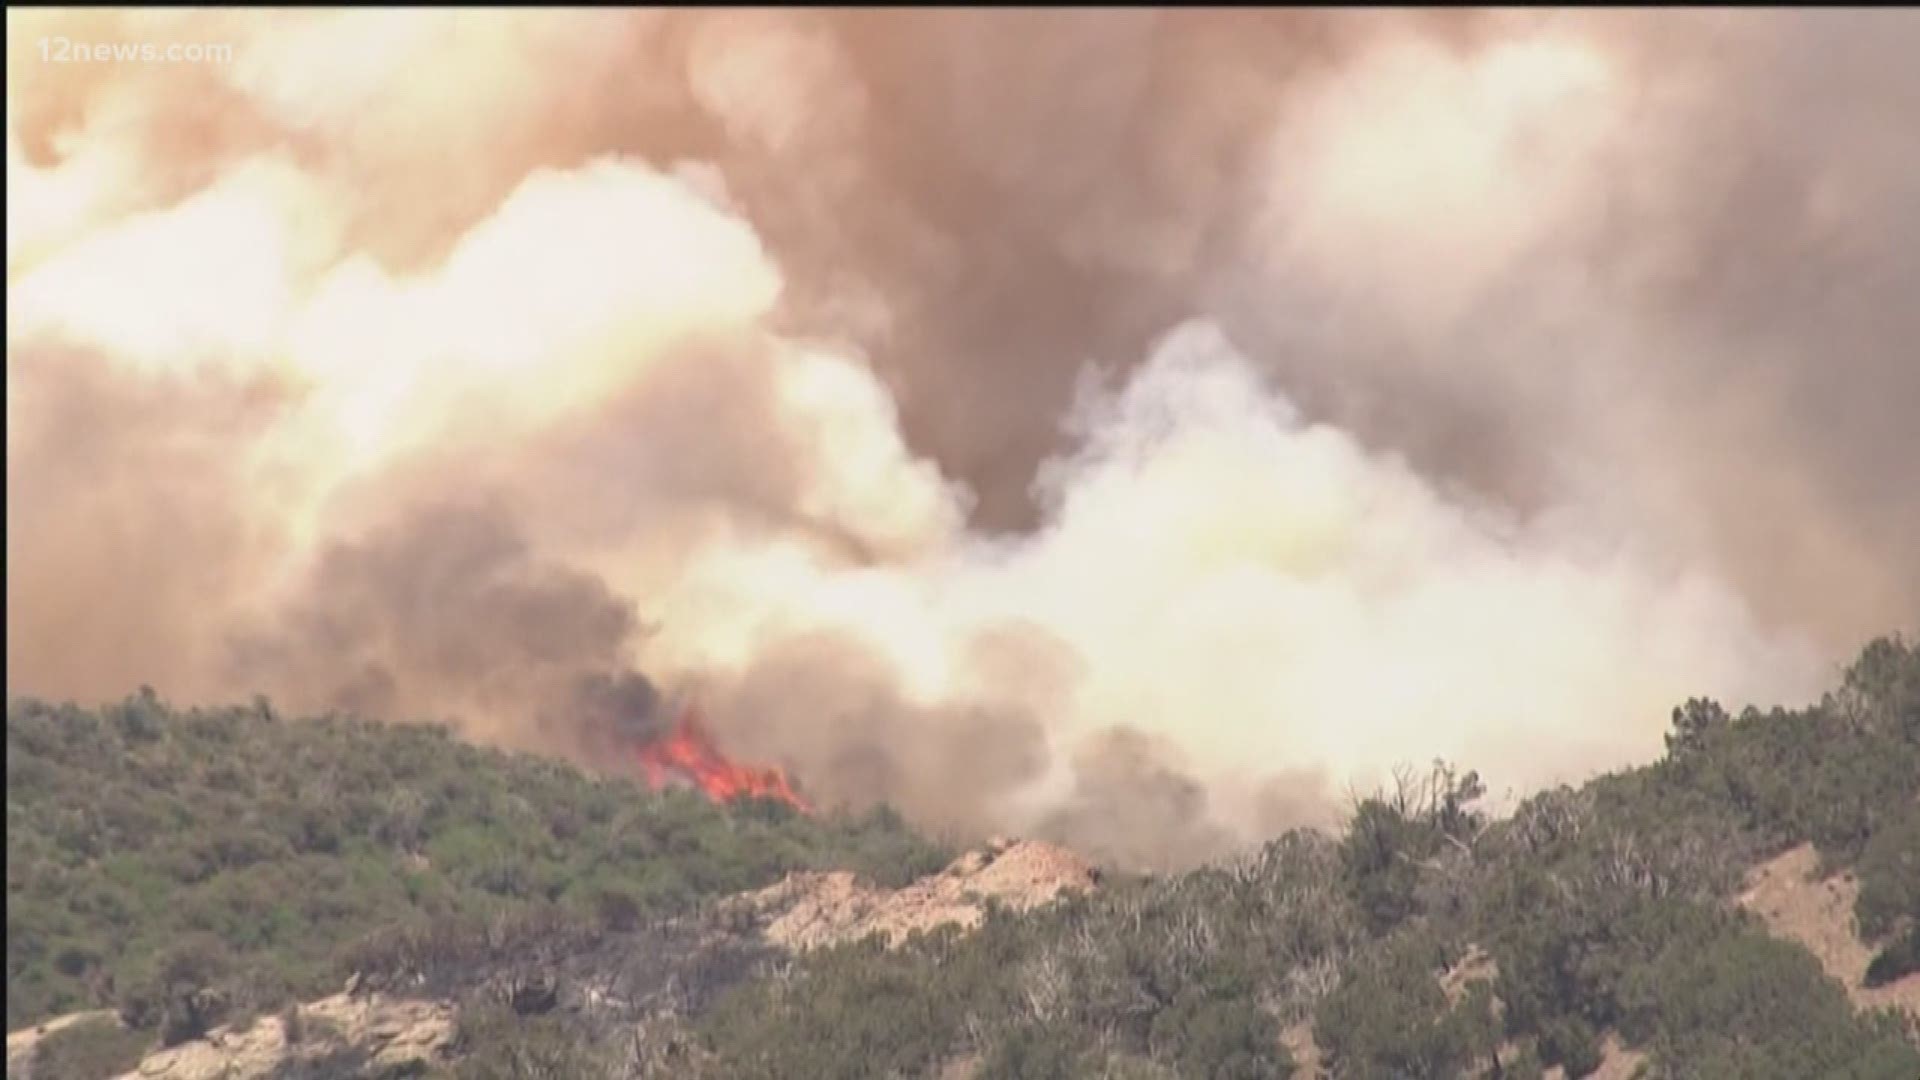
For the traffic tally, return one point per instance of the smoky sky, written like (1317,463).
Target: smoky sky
(1042,420)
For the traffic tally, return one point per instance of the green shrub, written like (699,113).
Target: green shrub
(1034,1053)
(1227,1037)
(1572,1043)
(495,1044)
(1390,1018)
(1896,961)
(1889,871)
(1746,1005)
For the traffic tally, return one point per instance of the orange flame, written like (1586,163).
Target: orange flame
(689,754)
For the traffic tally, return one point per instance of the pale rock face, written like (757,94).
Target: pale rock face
(392,1030)
(812,909)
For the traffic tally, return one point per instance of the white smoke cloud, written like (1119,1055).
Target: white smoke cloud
(1270,596)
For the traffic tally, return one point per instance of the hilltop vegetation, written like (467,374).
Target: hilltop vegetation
(186,867)
(1430,941)
(149,847)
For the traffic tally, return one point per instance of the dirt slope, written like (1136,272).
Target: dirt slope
(20,1043)
(1785,893)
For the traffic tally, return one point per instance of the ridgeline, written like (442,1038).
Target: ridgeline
(203,872)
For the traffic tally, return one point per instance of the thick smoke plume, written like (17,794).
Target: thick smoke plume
(1138,427)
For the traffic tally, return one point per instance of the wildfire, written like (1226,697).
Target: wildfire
(689,754)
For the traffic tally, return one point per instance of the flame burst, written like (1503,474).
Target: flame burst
(688,754)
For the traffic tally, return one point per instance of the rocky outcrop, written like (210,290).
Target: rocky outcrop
(807,910)
(383,1031)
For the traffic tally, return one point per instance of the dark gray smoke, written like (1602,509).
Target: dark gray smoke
(1132,805)
(832,711)
(448,616)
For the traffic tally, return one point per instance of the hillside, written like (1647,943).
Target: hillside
(495,916)
(140,836)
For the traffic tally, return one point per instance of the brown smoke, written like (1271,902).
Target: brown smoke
(1131,804)
(1132,426)
(449,616)
(129,543)
(827,707)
